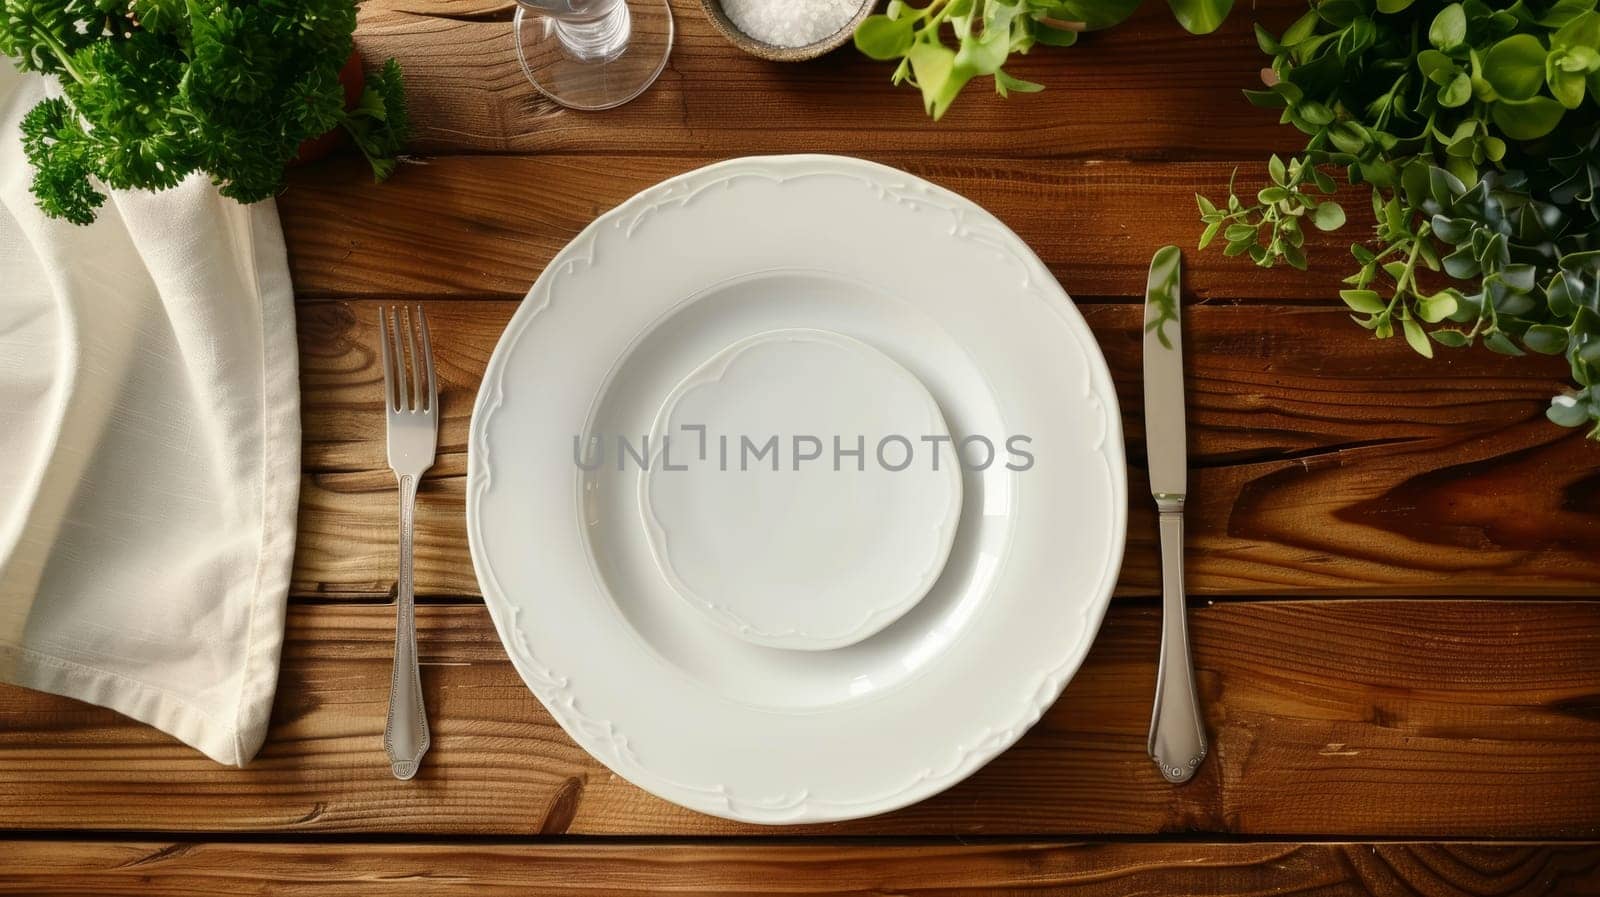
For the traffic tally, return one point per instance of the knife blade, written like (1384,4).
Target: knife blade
(1177,730)
(1164,425)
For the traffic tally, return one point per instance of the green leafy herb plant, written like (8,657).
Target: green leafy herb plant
(943,45)
(156,89)
(1476,127)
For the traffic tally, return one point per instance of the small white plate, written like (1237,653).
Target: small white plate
(638,302)
(814,494)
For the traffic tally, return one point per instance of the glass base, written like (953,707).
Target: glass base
(610,78)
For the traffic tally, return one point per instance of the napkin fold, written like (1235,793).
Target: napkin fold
(150,445)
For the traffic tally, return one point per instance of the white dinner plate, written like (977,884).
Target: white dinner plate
(644,298)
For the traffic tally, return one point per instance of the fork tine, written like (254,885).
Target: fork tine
(401,402)
(427,361)
(416,360)
(388,362)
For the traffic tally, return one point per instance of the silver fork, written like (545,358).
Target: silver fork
(413,439)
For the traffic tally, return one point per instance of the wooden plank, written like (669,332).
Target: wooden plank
(1324,461)
(111,868)
(1143,90)
(486,226)
(1449,719)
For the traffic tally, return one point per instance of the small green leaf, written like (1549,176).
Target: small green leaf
(1005,84)
(1328,216)
(1348,137)
(1314,113)
(1546,339)
(1519,277)
(1449,27)
(1237,232)
(1451,230)
(1461,169)
(1200,16)
(1265,99)
(1393,6)
(1428,255)
(1453,339)
(1514,67)
(1580,31)
(1529,119)
(1367,301)
(1444,187)
(1564,11)
(1499,342)
(1394,216)
(1264,39)
(1562,294)
(1567,87)
(1578,262)
(1209,234)
(1568,411)
(934,66)
(1275,170)
(884,38)
(1269,195)
(1437,307)
(1417,338)
(1303,28)
(1457,92)
(1206,208)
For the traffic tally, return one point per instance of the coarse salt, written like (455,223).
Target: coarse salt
(790,23)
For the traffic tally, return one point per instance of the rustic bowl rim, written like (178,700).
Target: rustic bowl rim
(724,25)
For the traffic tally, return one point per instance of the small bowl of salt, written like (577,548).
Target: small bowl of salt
(787,30)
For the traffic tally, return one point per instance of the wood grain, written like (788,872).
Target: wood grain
(1324,461)
(109,869)
(485,226)
(1143,90)
(1325,464)
(1449,719)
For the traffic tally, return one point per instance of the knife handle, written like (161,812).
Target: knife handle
(1177,731)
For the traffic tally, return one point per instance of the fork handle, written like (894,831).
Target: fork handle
(405,733)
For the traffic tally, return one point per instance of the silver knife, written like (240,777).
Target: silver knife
(1177,731)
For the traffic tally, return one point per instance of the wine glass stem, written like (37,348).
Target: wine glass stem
(593,37)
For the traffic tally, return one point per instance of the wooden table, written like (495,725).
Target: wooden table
(1393,563)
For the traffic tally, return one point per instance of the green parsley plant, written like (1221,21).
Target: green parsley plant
(156,89)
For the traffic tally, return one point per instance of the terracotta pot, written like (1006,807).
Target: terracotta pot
(354,80)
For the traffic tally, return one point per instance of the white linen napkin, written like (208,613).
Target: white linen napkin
(150,444)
